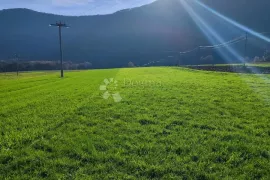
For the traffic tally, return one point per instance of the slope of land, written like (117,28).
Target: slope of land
(172,123)
(140,35)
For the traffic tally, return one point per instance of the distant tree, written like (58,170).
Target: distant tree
(6,66)
(2,66)
(74,66)
(256,59)
(247,59)
(131,64)
(87,65)
(266,56)
(66,66)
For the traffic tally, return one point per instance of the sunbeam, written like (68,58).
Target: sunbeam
(240,26)
(210,33)
(244,28)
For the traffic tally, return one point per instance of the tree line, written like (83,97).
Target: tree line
(13,66)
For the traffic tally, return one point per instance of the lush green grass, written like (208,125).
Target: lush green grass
(172,123)
(259,64)
(262,64)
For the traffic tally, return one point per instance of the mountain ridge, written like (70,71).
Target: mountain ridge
(140,35)
(125,9)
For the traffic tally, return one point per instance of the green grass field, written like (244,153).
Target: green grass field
(172,123)
(262,64)
(259,64)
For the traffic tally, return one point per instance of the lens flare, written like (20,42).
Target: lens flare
(213,36)
(244,28)
(210,33)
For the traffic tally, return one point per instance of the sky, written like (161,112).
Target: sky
(74,7)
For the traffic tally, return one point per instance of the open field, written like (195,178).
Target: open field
(262,64)
(172,123)
(235,68)
(259,64)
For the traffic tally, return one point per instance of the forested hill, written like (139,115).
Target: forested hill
(148,33)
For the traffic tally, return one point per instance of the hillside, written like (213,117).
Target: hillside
(139,35)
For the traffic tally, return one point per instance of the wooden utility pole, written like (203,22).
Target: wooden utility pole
(199,53)
(245,52)
(179,59)
(60,25)
(17,63)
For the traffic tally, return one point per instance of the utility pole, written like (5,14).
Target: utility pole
(60,25)
(245,53)
(17,63)
(199,54)
(179,59)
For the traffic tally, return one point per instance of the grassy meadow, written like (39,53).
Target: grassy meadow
(260,64)
(257,64)
(171,123)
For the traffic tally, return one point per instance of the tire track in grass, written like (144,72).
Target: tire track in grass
(30,97)
(10,85)
(71,97)
(49,98)
(18,104)
(35,86)
(20,83)
(59,129)
(27,146)
(68,119)
(26,86)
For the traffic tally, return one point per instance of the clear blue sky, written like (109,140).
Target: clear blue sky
(73,7)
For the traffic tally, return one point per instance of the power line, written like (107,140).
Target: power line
(185,52)
(241,38)
(223,45)
(231,42)
(264,33)
(17,63)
